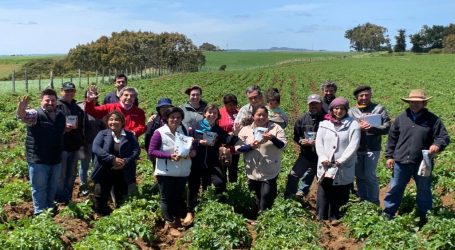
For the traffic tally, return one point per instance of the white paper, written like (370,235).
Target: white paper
(71,120)
(375,120)
(209,137)
(258,132)
(183,144)
(309,135)
(425,165)
(331,172)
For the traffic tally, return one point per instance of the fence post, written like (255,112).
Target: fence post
(80,80)
(96,75)
(88,78)
(14,81)
(102,77)
(52,79)
(26,80)
(39,82)
(63,79)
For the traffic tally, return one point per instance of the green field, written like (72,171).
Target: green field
(10,63)
(287,225)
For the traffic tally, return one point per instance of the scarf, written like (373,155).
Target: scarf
(330,118)
(204,126)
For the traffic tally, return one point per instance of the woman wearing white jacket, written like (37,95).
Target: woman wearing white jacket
(337,141)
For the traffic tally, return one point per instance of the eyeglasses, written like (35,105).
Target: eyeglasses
(254,97)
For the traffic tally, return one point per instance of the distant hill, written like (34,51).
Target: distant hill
(275,49)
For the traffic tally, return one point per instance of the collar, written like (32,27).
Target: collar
(117,139)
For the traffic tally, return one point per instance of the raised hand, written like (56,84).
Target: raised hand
(22,106)
(92,93)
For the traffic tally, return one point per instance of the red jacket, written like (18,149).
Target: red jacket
(134,117)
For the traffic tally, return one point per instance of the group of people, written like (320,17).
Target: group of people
(338,143)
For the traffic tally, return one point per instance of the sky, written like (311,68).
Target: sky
(49,27)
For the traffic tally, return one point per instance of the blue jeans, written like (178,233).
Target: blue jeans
(367,180)
(67,177)
(306,181)
(44,179)
(85,164)
(302,167)
(401,175)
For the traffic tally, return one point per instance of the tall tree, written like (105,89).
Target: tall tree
(428,38)
(367,37)
(449,43)
(400,44)
(208,47)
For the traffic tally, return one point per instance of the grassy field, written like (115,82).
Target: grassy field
(10,63)
(390,76)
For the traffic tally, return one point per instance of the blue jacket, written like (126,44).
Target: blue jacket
(103,147)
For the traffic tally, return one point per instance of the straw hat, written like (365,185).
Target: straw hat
(416,95)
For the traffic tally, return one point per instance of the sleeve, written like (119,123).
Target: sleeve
(140,128)
(319,145)
(354,141)
(440,135)
(31,117)
(240,115)
(155,145)
(136,149)
(103,156)
(385,127)
(96,111)
(241,145)
(297,132)
(280,138)
(394,133)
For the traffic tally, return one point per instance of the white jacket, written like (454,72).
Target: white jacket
(169,167)
(338,144)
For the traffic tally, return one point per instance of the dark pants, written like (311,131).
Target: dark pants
(266,192)
(330,198)
(206,176)
(233,169)
(115,181)
(171,196)
(301,166)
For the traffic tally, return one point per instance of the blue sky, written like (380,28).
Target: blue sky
(41,26)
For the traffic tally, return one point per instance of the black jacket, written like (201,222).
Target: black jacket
(407,138)
(44,141)
(103,149)
(74,139)
(308,122)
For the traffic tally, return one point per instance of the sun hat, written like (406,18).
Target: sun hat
(416,95)
(339,101)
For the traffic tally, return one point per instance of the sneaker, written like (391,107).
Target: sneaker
(300,194)
(83,190)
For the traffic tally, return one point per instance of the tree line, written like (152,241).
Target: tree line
(126,50)
(371,37)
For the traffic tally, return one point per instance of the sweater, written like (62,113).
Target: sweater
(338,144)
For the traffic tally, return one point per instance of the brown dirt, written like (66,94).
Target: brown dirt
(75,229)
(448,200)
(19,211)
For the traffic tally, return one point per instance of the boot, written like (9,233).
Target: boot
(188,219)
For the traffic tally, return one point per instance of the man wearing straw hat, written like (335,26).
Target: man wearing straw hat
(414,130)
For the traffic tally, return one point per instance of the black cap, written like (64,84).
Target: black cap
(68,86)
(360,89)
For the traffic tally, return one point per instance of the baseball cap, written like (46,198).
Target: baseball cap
(68,86)
(313,98)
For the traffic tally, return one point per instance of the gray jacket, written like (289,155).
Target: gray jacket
(192,115)
(338,144)
(371,140)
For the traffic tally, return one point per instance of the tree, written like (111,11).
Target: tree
(428,38)
(449,43)
(367,37)
(207,47)
(400,45)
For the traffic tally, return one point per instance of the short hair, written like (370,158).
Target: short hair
(255,110)
(48,92)
(129,89)
(118,114)
(253,88)
(213,106)
(230,98)
(121,76)
(273,94)
(329,84)
(191,88)
(172,110)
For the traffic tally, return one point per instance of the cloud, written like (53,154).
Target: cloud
(27,23)
(316,27)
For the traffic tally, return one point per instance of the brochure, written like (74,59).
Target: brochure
(258,132)
(209,137)
(310,135)
(183,144)
(71,120)
(425,165)
(375,120)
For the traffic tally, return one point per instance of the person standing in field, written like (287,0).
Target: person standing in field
(276,113)
(245,115)
(337,141)
(120,81)
(305,129)
(370,142)
(194,108)
(228,114)
(328,90)
(85,155)
(414,130)
(43,147)
(134,116)
(73,140)
(262,144)
(116,151)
